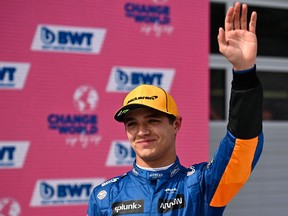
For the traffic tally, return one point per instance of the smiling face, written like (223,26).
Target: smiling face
(152,137)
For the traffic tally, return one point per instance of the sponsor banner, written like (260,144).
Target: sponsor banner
(120,154)
(81,128)
(73,63)
(124,79)
(13,154)
(13,75)
(57,192)
(71,39)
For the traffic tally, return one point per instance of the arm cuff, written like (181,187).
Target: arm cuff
(244,71)
(244,80)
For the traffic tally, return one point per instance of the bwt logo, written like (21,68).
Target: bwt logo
(13,154)
(68,39)
(124,79)
(138,77)
(120,154)
(63,192)
(13,75)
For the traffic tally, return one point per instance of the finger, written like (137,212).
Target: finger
(237,15)
(252,24)
(229,19)
(244,17)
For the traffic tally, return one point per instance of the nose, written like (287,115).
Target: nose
(143,130)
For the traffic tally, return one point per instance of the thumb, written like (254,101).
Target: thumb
(221,40)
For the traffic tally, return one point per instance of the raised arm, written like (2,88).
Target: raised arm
(241,148)
(238,43)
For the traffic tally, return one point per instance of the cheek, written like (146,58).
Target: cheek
(130,136)
(168,134)
(166,131)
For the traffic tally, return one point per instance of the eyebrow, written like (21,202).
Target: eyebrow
(150,115)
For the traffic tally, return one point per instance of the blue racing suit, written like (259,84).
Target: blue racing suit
(203,189)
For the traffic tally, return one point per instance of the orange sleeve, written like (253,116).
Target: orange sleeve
(236,173)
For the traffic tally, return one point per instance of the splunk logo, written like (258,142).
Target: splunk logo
(128,207)
(13,75)
(73,124)
(63,191)
(120,154)
(13,154)
(68,39)
(165,205)
(124,79)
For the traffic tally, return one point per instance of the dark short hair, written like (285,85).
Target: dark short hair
(171,118)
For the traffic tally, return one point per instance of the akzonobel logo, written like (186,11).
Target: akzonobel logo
(13,75)
(70,39)
(13,154)
(128,207)
(124,79)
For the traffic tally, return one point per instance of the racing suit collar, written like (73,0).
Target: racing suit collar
(150,175)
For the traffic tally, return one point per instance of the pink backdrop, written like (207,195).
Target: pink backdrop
(65,67)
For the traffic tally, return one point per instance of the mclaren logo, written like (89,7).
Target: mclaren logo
(128,207)
(143,98)
(165,205)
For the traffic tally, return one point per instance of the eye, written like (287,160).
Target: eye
(154,120)
(130,124)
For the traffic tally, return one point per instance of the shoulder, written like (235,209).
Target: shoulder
(100,195)
(195,173)
(110,183)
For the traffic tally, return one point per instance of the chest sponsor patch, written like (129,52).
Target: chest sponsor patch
(128,207)
(165,205)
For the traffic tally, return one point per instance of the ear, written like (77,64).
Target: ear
(177,123)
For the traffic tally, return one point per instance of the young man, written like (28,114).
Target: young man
(158,183)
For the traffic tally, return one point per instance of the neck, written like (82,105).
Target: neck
(155,169)
(154,164)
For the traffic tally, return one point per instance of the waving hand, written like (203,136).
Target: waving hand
(238,42)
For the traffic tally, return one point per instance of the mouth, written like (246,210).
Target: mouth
(146,142)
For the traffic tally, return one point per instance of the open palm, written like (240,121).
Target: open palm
(237,43)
